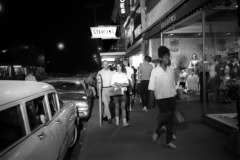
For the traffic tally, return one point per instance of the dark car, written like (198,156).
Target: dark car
(74,89)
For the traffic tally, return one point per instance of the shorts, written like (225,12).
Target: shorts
(119,99)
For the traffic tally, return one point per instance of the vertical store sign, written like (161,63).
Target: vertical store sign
(123,8)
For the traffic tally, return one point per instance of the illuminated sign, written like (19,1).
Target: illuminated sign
(123,8)
(104,32)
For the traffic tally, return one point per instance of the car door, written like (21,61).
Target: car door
(59,117)
(43,141)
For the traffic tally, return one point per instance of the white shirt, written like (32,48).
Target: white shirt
(162,82)
(120,78)
(130,72)
(106,77)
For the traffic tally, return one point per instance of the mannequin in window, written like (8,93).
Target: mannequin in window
(194,62)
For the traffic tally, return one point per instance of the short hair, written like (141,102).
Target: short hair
(216,59)
(163,50)
(147,58)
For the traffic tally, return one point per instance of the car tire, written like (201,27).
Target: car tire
(73,138)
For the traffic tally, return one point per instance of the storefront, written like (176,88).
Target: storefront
(205,28)
(133,36)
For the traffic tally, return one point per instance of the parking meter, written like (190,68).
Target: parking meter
(99,86)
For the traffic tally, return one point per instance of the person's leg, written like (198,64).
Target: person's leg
(144,90)
(171,105)
(162,116)
(106,101)
(117,113)
(142,93)
(123,107)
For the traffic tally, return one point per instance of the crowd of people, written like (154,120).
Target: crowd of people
(152,83)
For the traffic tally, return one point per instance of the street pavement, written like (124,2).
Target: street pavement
(195,139)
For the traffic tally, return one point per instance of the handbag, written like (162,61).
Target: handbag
(116,91)
(178,116)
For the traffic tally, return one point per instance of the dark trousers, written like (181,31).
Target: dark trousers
(166,113)
(144,93)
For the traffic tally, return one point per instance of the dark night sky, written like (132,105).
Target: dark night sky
(45,23)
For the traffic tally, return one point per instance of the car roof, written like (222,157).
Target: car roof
(64,79)
(13,90)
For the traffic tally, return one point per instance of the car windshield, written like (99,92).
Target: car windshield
(67,86)
(72,96)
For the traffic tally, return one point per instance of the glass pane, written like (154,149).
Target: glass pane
(12,127)
(223,74)
(52,103)
(36,112)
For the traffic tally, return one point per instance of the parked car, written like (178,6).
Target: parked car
(35,124)
(74,89)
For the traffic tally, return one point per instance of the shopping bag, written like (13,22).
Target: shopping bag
(178,116)
(116,91)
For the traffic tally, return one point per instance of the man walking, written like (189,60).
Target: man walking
(162,83)
(106,75)
(144,73)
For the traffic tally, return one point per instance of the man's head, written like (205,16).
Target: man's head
(164,55)
(105,64)
(147,58)
(125,62)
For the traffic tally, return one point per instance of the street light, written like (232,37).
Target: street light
(60,46)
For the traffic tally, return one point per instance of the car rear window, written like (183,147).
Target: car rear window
(72,96)
(67,86)
(12,127)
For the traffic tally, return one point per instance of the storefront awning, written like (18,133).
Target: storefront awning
(183,11)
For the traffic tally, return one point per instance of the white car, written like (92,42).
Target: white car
(34,123)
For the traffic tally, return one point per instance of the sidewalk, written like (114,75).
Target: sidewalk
(195,140)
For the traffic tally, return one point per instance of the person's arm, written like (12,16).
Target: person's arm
(151,88)
(190,65)
(125,82)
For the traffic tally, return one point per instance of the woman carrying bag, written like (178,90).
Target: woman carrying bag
(120,79)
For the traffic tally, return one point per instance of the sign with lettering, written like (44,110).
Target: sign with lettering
(104,32)
(168,21)
(123,8)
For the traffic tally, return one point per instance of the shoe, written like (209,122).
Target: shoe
(130,109)
(163,129)
(171,145)
(173,137)
(105,119)
(109,121)
(126,124)
(117,123)
(155,137)
(144,109)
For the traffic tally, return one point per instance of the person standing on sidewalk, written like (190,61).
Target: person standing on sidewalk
(162,83)
(120,78)
(144,73)
(130,74)
(106,75)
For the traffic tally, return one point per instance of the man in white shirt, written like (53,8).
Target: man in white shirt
(30,77)
(144,73)
(106,75)
(162,83)
(130,75)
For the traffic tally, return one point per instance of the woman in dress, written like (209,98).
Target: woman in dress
(120,79)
